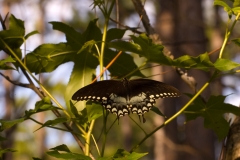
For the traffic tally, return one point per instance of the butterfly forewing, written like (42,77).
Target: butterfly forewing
(96,91)
(110,93)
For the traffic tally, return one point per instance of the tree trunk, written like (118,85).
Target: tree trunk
(233,141)
(180,25)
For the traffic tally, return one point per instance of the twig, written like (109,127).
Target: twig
(25,85)
(133,29)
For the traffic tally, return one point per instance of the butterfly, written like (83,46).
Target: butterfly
(122,97)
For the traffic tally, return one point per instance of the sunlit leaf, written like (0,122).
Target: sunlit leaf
(225,64)
(43,105)
(47,57)
(4,65)
(30,34)
(85,64)
(226,7)
(94,111)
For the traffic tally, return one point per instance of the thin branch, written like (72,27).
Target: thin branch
(144,17)
(133,29)
(25,85)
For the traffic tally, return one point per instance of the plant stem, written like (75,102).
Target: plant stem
(227,34)
(88,138)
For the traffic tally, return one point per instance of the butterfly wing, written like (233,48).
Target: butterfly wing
(121,97)
(143,92)
(110,93)
(97,91)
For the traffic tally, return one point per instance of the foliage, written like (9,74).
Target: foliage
(88,50)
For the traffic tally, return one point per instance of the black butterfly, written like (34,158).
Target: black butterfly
(125,96)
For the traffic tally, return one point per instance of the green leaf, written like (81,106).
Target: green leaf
(74,38)
(212,111)
(122,155)
(82,119)
(218,124)
(53,122)
(4,65)
(14,36)
(115,33)
(61,147)
(227,8)
(30,34)
(236,4)
(5,124)
(123,65)
(73,109)
(87,46)
(236,10)
(85,65)
(237,41)
(152,52)
(48,57)
(82,75)
(124,46)
(74,156)
(225,64)
(157,111)
(144,47)
(92,32)
(200,62)
(222,3)
(94,111)
(43,105)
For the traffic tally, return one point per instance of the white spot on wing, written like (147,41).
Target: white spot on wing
(114,110)
(109,106)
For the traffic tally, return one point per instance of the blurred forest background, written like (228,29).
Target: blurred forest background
(184,26)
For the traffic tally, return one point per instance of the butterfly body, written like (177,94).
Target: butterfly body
(122,97)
